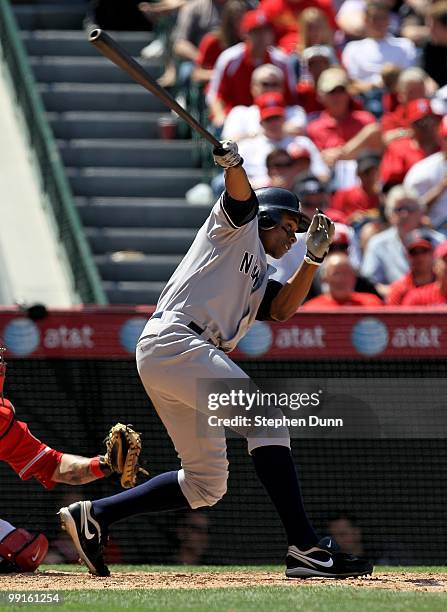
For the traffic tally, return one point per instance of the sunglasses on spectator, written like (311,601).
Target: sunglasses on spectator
(281,164)
(337,90)
(419,251)
(425,121)
(270,84)
(406,208)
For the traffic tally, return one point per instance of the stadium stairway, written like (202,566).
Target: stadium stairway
(128,184)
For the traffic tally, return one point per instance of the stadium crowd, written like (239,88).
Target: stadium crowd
(343,102)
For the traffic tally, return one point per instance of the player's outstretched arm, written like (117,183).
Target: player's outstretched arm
(292,294)
(77,470)
(236,181)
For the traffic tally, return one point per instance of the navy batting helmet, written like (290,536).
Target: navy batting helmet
(273,201)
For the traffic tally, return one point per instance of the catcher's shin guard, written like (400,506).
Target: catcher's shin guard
(23,551)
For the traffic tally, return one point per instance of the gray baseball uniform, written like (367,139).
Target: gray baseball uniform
(206,307)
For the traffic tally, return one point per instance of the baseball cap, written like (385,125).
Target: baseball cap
(418,238)
(297,152)
(332,78)
(367,160)
(419,109)
(318,51)
(309,185)
(271,104)
(441,249)
(252,20)
(442,130)
(341,234)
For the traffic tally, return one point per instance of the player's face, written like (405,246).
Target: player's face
(279,240)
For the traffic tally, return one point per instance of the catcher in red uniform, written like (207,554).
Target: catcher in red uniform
(21,551)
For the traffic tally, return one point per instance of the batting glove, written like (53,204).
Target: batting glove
(226,156)
(318,239)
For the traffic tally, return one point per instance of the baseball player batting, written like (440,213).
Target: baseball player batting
(214,296)
(21,551)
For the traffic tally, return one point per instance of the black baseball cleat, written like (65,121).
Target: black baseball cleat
(325,560)
(85,531)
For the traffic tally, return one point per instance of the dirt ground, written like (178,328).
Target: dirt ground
(58,580)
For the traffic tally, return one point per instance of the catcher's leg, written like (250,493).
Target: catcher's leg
(19,550)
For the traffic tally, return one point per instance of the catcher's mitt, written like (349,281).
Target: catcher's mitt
(123,450)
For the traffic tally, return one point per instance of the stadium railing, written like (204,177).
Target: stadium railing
(86,279)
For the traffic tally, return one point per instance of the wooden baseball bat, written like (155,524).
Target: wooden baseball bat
(119,56)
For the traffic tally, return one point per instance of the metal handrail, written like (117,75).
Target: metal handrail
(86,279)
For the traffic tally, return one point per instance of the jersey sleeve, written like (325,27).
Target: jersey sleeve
(271,291)
(239,213)
(230,217)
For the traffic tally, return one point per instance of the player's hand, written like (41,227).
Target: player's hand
(227,156)
(318,239)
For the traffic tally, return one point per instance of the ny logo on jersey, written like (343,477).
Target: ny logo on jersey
(250,266)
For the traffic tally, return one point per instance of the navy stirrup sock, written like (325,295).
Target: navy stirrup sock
(159,494)
(276,470)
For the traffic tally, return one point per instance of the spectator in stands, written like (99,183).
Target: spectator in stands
(338,124)
(385,257)
(434,52)
(340,277)
(428,178)
(435,293)
(364,59)
(314,31)
(285,17)
(402,153)
(315,60)
(195,19)
(192,534)
(365,197)
(284,165)
(215,42)
(244,121)
(419,248)
(313,193)
(255,150)
(236,65)
(411,85)
(347,534)
(414,15)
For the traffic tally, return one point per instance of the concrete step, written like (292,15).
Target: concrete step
(133,292)
(75,43)
(128,153)
(140,212)
(85,69)
(98,97)
(156,268)
(133,182)
(95,124)
(49,16)
(154,241)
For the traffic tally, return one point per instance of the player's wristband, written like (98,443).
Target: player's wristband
(97,467)
(313,260)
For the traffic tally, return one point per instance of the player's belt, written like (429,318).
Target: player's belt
(192,326)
